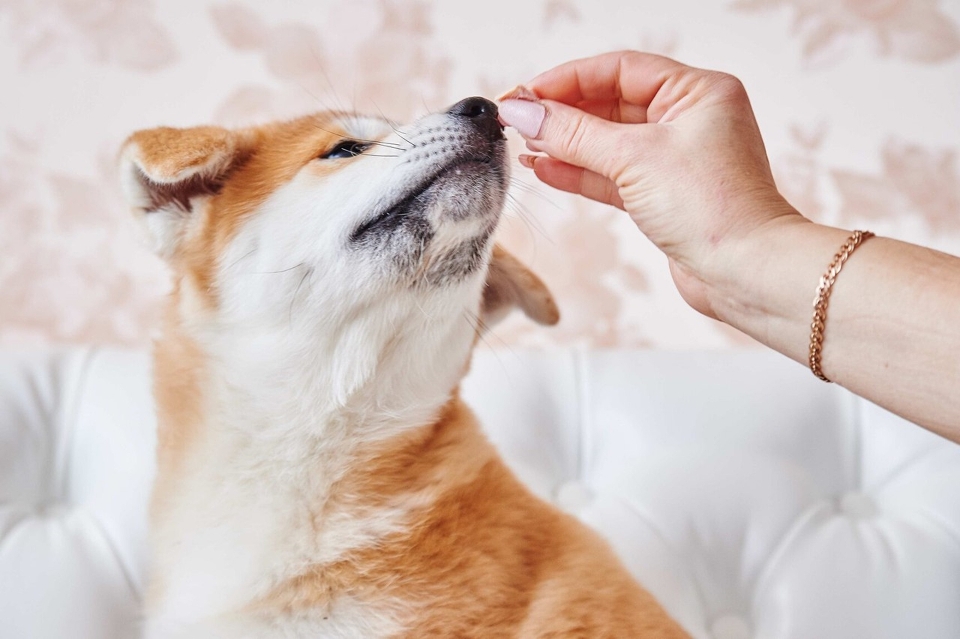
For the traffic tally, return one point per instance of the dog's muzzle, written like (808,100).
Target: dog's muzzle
(481,113)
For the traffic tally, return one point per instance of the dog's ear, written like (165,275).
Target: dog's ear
(511,285)
(165,172)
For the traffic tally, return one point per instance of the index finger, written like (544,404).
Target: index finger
(631,75)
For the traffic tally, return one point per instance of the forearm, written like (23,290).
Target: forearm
(893,322)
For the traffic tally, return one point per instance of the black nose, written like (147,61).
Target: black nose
(474,107)
(482,113)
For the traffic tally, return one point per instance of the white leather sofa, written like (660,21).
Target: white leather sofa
(752,499)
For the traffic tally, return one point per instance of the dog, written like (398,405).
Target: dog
(318,474)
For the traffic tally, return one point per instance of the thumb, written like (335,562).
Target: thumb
(566,133)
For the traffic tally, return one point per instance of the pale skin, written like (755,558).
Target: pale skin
(679,150)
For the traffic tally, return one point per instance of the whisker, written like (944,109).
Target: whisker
(326,106)
(296,292)
(533,235)
(395,147)
(533,190)
(241,258)
(521,207)
(423,278)
(331,89)
(425,107)
(391,125)
(326,76)
(283,270)
(391,145)
(482,330)
(530,221)
(475,324)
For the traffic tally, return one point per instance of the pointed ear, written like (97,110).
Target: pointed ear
(165,171)
(511,285)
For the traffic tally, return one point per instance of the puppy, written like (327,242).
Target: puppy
(318,474)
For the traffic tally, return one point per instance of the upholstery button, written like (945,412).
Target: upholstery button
(52,510)
(573,496)
(730,627)
(857,505)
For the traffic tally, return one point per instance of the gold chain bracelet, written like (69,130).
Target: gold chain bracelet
(823,298)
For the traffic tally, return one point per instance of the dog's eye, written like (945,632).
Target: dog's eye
(345,149)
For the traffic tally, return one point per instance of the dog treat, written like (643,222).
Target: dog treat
(518,92)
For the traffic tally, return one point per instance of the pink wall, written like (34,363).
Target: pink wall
(859,102)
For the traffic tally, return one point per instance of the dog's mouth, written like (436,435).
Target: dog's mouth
(419,196)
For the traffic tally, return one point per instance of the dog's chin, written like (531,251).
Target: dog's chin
(462,188)
(470,189)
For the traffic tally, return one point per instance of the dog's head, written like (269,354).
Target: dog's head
(336,232)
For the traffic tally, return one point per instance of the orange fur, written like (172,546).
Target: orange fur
(510,283)
(485,558)
(251,163)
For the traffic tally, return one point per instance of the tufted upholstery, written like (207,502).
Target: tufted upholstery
(753,500)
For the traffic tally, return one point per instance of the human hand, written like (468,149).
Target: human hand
(677,148)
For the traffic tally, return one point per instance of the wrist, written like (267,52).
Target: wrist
(764,285)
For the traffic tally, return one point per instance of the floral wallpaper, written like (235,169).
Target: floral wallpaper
(859,102)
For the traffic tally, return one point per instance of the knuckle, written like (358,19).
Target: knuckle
(610,191)
(574,135)
(728,85)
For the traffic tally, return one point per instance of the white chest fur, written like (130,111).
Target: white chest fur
(249,506)
(249,515)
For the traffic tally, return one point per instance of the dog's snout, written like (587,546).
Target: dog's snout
(481,112)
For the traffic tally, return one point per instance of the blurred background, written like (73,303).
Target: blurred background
(858,101)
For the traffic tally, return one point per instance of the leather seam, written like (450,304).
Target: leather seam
(68,419)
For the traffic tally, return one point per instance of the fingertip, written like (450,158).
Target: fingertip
(523,115)
(574,179)
(555,173)
(533,146)
(527,160)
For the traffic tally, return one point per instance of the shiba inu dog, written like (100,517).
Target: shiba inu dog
(318,475)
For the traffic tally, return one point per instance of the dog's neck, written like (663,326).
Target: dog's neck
(250,431)
(306,389)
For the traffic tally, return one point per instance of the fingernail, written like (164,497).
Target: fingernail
(523,115)
(527,160)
